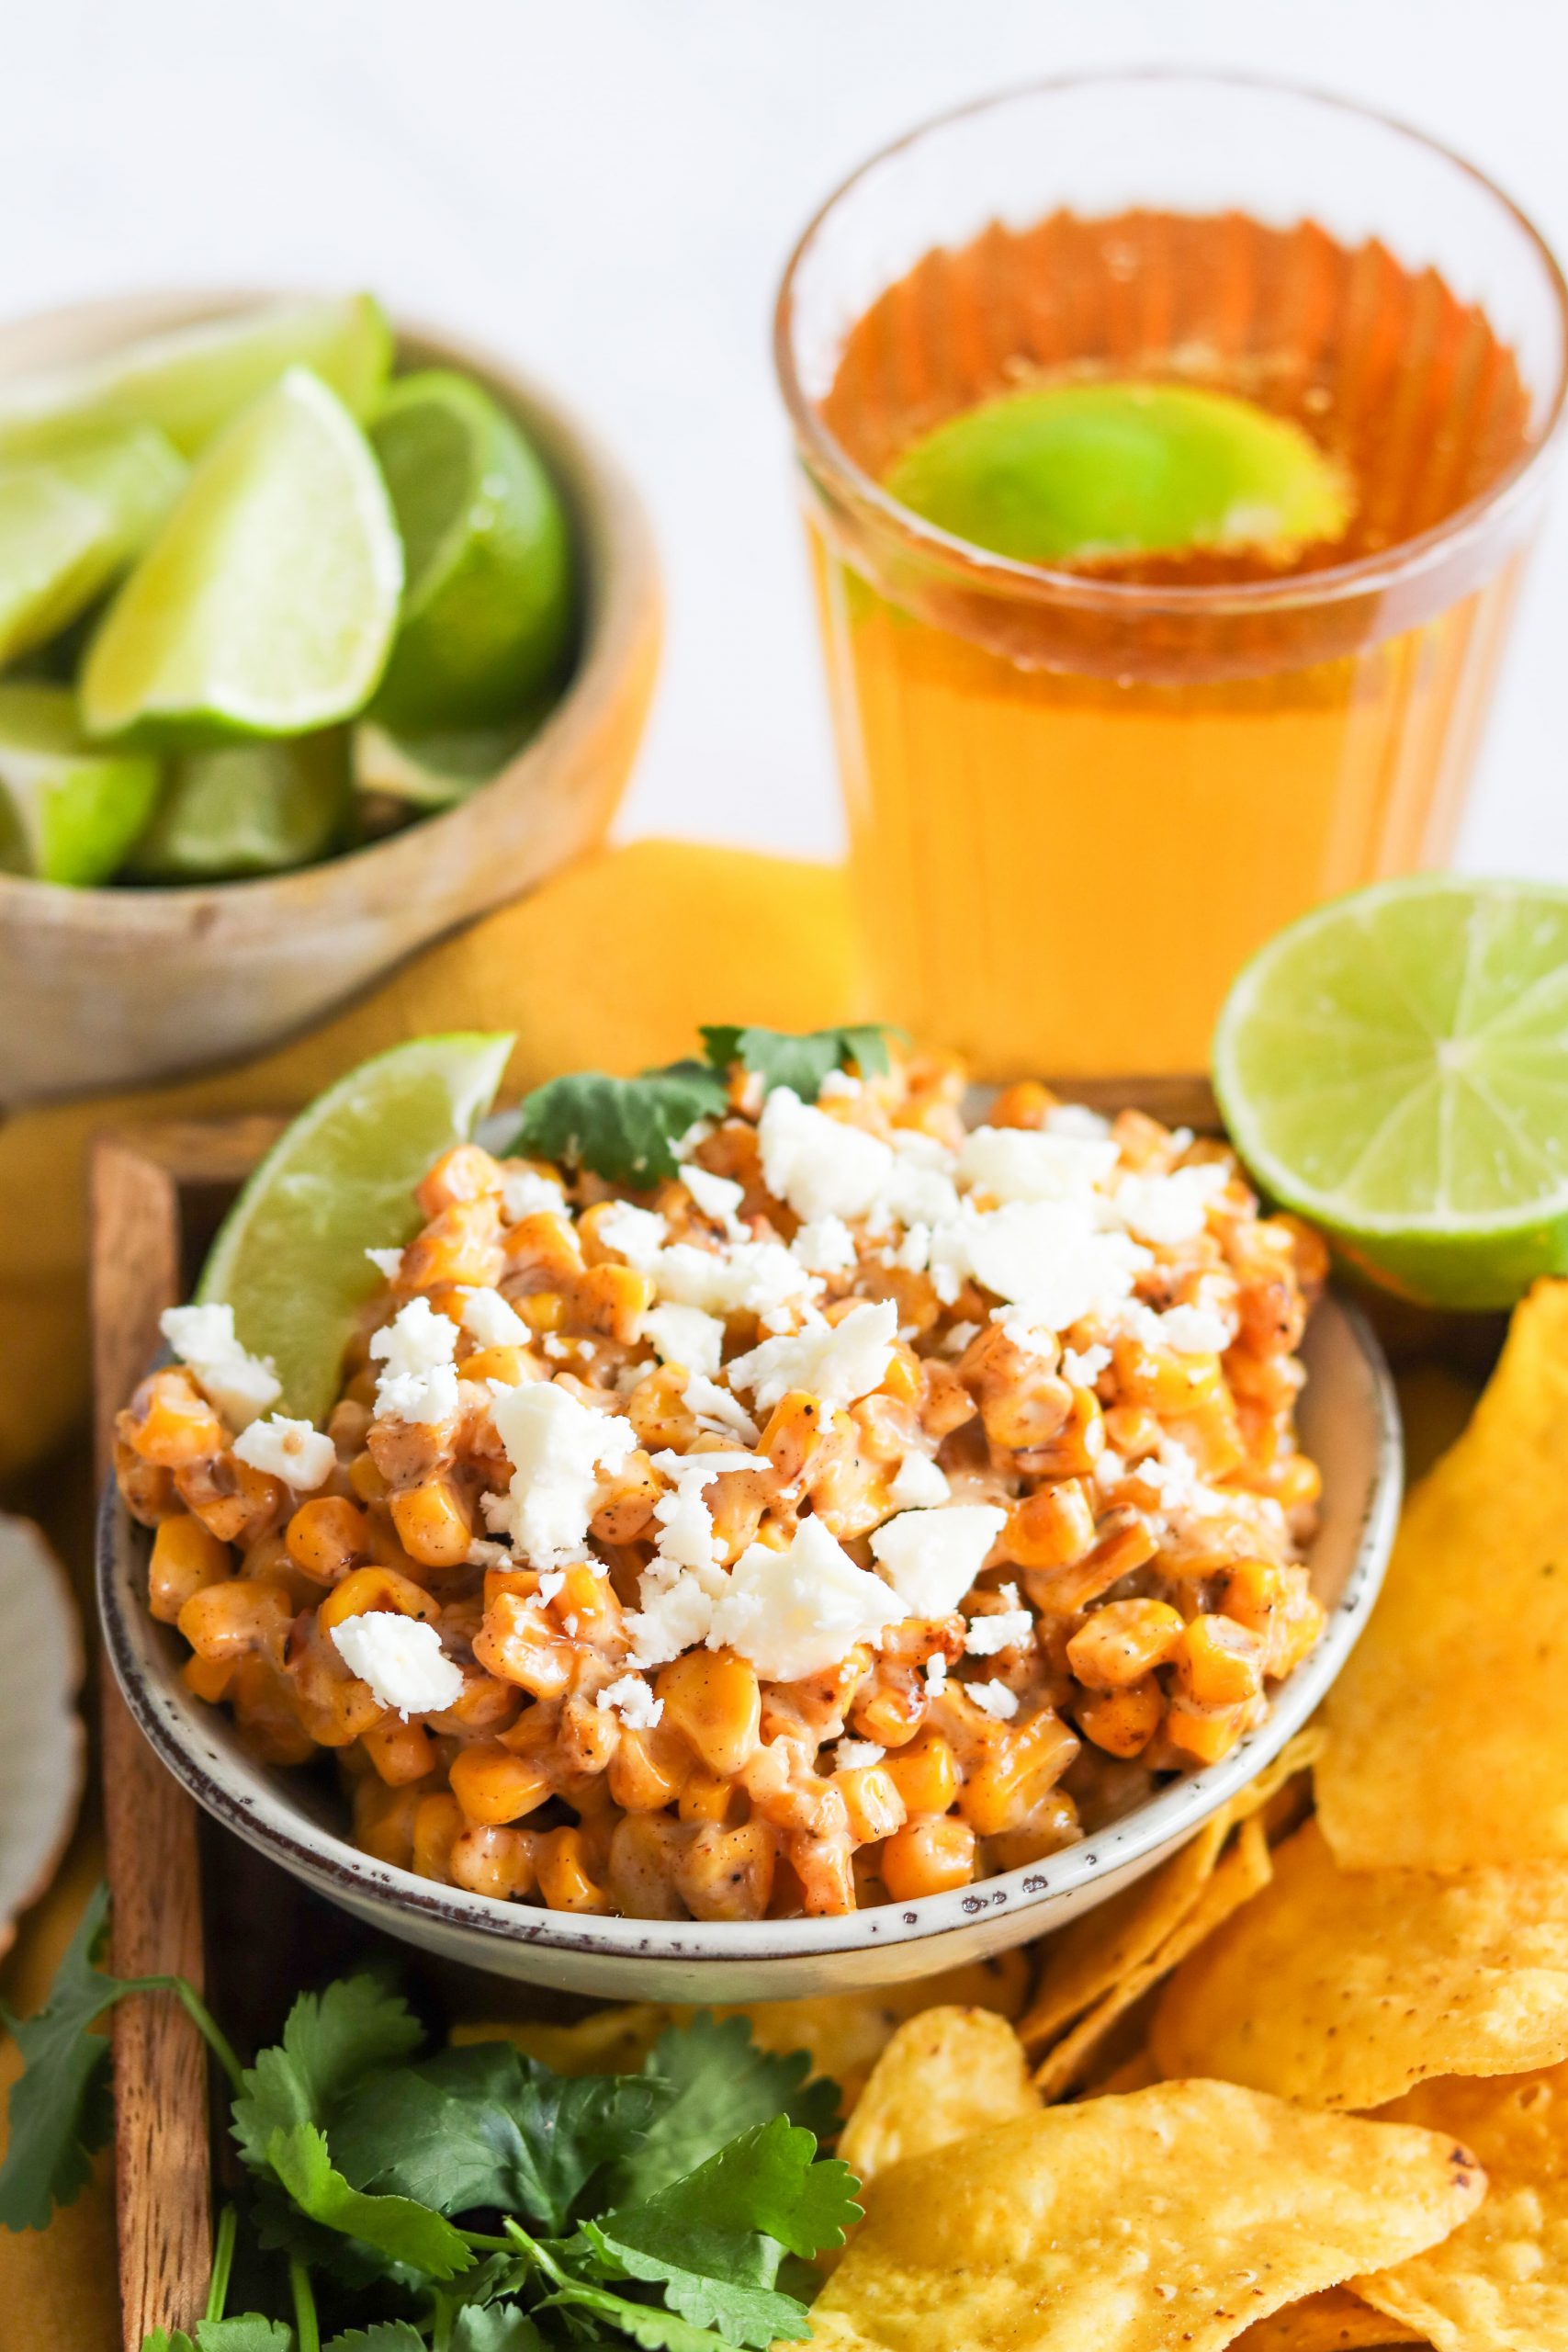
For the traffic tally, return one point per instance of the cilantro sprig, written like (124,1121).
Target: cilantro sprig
(627,1128)
(468,2200)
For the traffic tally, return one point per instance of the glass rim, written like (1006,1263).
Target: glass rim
(825,454)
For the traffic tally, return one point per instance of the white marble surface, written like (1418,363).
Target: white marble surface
(609,188)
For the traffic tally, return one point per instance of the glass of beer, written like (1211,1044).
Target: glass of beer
(1170,446)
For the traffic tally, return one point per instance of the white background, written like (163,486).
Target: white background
(608,190)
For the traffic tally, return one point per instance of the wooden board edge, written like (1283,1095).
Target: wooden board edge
(163,2162)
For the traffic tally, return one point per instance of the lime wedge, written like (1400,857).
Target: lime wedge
(1394,1066)
(191,381)
(1069,473)
(266,604)
(435,770)
(248,808)
(487,610)
(69,810)
(68,526)
(290,1257)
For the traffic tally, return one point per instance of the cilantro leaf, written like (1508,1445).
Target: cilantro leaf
(331,2042)
(247,2332)
(484,2125)
(799,1062)
(720,2085)
(60,2107)
(495,2327)
(655,2330)
(387,2336)
(411,2232)
(623,1129)
(713,2239)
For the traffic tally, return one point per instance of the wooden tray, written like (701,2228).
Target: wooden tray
(187,1895)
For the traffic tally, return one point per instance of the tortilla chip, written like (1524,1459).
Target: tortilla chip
(1176,2216)
(945,2074)
(1093,1953)
(1345,1987)
(1134,2073)
(1447,1731)
(844,2033)
(1500,2283)
(1336,2321)
(1243,1873)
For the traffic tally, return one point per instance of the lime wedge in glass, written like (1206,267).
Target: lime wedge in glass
(190,382)
(489,608)
(1069,473)
(68,810)
(69,523)
(290,1258)
(438,770)
(1394,1066)
(266,604)
(247,809)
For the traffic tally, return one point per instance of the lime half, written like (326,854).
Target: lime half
(1394,1066)
(68,810)
(266,604)
(67,525)
(192,380)
(290,1258)
(248,808)
(488,609)
(1069,473)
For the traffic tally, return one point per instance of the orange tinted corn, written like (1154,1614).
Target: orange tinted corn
(186,1558)
(928,1858)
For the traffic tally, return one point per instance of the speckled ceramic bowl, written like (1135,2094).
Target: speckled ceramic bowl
(1350,1424)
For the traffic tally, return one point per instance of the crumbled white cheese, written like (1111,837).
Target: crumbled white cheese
(556,1348)
(675,1613)
(1049,1258)
(936,1675)
(1075,1119)
(558,1448)
(799,1611)
(931,1557)
(1005,1628)
(822,1167)
(302,1456)
(488,1318)
(630,1698)
(839,1085)
(717,1409)
(388,1263)
(1081,1367)
(401,1659)
(857,1755)
(716,1196)
(747,1278)
(550,1584)
(482,1555)
(1109,1471)
(993,1699)
(524,1192)
(837,1361)
(918,1483)
(1035,1164)
(685,1535)
(417,1383)
(958,1339)
(687,1335)
(239,1385)
(826,1246)
(920,1190)
(637,1233)
(1169,1209)
(1194,1330)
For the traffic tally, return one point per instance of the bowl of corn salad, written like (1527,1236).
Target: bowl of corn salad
(851,1552)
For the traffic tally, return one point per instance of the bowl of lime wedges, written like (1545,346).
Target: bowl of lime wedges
(320,635)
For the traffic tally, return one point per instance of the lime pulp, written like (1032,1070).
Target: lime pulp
(70,522)
(266,604)
(1072,472)
(488,603)
(247,809)
(290,1257)
(1395,1067)
(68,810)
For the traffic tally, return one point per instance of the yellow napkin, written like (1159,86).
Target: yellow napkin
(609,967)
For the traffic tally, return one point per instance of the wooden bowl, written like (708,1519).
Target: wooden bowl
(120,987)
